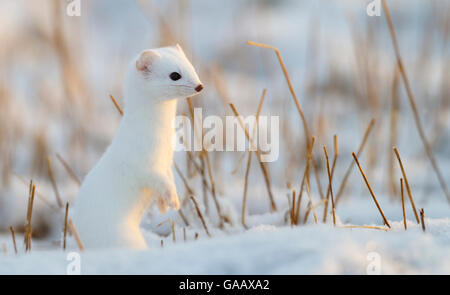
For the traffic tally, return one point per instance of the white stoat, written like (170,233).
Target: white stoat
(136,168)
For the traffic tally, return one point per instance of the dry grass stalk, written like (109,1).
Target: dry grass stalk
(330,185)
(65,226)
(333,166)
(371,191)
(422,218)
(68,169)
(308,192)
(300,194)
(5,252)
(393,131)
(350,167)
(39,195)
(273,205)
(184,234)
(199,213)
(364,226)
(249,161)
(293,221)
(172,226)
(204,155)
(291,88)
(189,190)
(408,188)
(53,182)
(28,230)
(116,104)
(412,103)
(304,179)
(403,203)
(76,236)
(13,237)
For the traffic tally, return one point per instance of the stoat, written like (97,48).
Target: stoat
(136,169)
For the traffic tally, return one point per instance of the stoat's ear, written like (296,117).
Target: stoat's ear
(146,59)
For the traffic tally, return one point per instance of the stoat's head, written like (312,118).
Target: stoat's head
(164,74)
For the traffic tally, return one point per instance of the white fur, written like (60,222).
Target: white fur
(136,168)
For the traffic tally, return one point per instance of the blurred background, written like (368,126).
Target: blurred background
(57,72)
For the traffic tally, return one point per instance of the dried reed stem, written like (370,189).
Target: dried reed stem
(412,103)
(408,188)
(116,104)
(422,219)
(403,203)
(53,182)
(205,155)
(370,190)
(68,169)
(364,226)
(291,88)
(75,234)
(336,153)
(350,167)
(249,161)
(273,206)
(5,252)
(172,226)
(13,237)
(293,221)
(189,190)
(308,192)
(199,213)
(28,230)
(65,226)
(330,185)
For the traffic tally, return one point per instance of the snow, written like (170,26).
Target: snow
(311,249)
(113,32)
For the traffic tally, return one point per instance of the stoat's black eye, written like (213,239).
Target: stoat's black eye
(175,76)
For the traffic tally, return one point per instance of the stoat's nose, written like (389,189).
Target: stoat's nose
(199,88)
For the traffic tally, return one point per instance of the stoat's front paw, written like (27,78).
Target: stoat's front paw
(167,196)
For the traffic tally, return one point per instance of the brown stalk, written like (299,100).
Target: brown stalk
(68,169)
(300,194)
(5,252)
(291,88)
(205,155)
(304,179)
(199,213)
(13,237)
(393,131)
(350,167)
(116,104)
(364,226)
(273,206)
(336,153)
(370,190)
(412,103)
(65,226)
(53,182)
(293,221)
(408,189)
(308,193)
(28,230)
(76,236)
(403,203)
(249,161)
(330,185)
(422,219)
(172,226)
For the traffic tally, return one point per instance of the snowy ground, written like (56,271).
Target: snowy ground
(267,249)
(38,120)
